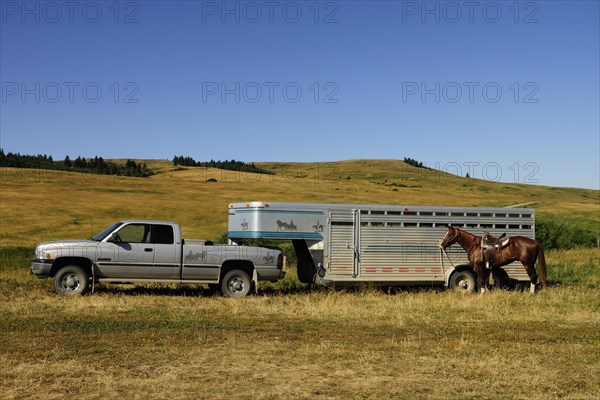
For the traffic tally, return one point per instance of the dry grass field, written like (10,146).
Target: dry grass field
(288,342)
(182,342)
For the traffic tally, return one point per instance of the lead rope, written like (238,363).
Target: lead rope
(447,256)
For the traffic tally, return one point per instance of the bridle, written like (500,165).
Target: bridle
(456,236)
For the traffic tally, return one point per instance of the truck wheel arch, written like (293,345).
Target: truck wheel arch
(242,265)
(61,262)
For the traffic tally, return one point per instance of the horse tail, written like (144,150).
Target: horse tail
(541,265)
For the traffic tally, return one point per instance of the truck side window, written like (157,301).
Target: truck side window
(162,234)
(134,233)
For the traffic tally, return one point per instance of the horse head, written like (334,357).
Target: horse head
(451,237)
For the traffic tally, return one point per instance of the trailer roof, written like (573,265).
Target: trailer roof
(334,206)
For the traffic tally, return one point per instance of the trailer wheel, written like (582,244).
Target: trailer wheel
(71,280)
(236,283)
(463,282)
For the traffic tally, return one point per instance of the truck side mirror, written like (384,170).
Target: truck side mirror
(113,238)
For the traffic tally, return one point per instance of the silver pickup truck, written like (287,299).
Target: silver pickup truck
(154,251)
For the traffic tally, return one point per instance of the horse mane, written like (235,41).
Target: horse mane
(472,239)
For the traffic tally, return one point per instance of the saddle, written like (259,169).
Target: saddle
(491,245)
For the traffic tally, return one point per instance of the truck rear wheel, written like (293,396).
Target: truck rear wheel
(71,280)
(463,282)
(236,283)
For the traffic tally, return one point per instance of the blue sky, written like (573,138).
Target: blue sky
(505,90)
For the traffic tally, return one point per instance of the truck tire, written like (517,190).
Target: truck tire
(71,280)
(463,282)
(236,283)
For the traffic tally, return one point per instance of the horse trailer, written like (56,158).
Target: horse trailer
(382,244)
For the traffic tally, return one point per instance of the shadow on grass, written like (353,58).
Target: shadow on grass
(269,291)
(155,290)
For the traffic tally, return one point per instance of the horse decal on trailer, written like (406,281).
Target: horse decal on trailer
(286,226)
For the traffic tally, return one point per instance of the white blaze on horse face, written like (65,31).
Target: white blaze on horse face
(444,238)
(532,288)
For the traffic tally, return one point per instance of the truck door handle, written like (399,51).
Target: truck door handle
(148,249)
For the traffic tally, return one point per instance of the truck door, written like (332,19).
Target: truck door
(344,245)
(201,262)
(167,253)
(128,257)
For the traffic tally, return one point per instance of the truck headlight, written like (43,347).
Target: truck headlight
(43,255)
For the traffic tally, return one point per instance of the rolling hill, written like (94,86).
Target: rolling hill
(41,205)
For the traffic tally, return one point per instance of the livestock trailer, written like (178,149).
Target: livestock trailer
(385,244)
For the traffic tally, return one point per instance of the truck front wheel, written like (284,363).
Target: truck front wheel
(71,280)
(236,283)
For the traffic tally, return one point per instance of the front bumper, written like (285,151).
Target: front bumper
(41,268)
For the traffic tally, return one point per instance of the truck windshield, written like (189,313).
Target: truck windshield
(105,232)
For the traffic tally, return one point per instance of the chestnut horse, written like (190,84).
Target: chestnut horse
(519,248)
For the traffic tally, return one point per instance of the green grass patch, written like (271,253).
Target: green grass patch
(576,268)
(553,233)
(14,258)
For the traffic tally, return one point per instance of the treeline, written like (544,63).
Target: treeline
(414,163)
(232,165)
(95,165)
(555,234)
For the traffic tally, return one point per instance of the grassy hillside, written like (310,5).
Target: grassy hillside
(41,205)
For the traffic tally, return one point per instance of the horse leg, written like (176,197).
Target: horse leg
(480,269)
(532,277)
